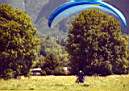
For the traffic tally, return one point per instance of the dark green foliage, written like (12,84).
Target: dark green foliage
(96,44)
(9,73)
(55,57)
(50,64)
(19,43)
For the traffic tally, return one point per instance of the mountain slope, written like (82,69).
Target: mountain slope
(39,10)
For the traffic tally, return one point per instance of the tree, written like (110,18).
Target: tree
(54,57)
(96,44)
(19,42)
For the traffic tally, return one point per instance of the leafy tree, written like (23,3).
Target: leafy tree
(96,44)
(50,64)
(19,42)
(55,58)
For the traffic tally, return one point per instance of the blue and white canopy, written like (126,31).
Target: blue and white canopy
(75,6)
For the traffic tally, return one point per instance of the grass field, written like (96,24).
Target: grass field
(67,83)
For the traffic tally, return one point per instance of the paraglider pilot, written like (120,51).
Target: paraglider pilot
(80,77)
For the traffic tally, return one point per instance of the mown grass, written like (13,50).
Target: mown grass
(67,83)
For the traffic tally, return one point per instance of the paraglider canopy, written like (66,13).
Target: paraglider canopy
(75,6)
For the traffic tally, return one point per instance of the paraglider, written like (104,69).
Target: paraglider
(75,6)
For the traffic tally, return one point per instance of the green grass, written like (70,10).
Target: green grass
(67,83)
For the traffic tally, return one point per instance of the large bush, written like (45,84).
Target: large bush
(19,43)
(96,44)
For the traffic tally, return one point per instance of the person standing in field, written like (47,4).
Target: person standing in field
(80,77)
